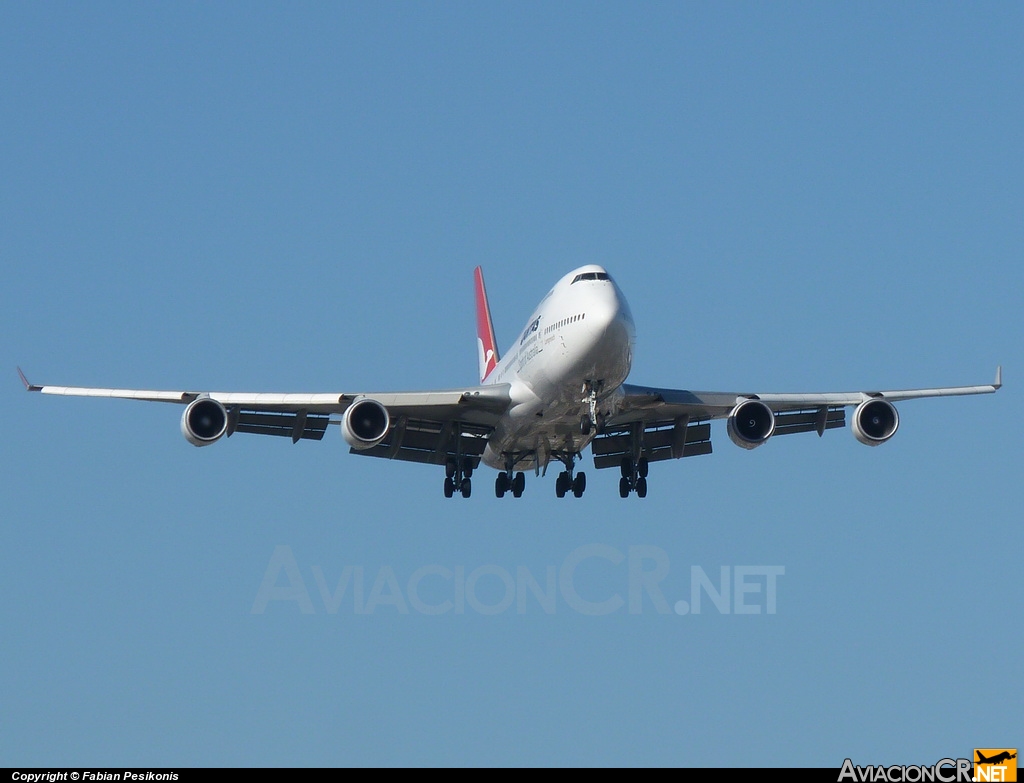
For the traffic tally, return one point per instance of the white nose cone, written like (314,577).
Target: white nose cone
(604,339)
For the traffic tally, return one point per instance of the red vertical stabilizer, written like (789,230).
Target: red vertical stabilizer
(487,349)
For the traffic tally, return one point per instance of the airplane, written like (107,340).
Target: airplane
(999,758)
(560,388)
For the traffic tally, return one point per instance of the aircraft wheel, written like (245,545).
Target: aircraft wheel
(467,467)
(641,487)
(585,425)
(579,486)
(641,467)
(449,487)
(623,487)
(501,485)
(466,488)
(449,468)
(560,483)
(518,484)
(626,468)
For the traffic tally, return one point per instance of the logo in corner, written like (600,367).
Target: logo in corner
(995,764)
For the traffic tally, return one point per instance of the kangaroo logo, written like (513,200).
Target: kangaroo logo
(486,357)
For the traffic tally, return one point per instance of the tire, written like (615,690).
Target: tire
(449,468)
(449,487)
(560,485)
(466,488)
(641,487)
(626,468)
(518,484)
(642,467)
(623,487)
(500,485)
(467,467)
(579,486)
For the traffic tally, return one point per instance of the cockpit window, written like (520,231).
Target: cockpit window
(590,276)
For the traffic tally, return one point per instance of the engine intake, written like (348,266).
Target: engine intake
(750,424)
(365,424)
(204,421)
(875,421)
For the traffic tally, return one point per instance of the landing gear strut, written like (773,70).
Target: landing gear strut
(591,420)
(634,477)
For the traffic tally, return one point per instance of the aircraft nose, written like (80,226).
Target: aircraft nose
(609,309)
(605,342)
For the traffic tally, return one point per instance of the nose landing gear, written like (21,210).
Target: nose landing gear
(592,419)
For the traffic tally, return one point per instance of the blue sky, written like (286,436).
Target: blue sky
(794,197)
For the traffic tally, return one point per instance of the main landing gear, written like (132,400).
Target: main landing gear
(509,481)
(457,477)
(634,477)
(567,480)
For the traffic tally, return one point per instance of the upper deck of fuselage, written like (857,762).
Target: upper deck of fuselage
(579,310)
(591,284)
(586,293)
(589,272)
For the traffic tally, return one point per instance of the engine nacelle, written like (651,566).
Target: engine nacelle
(204,421)
(365,424)
(875,421)
(750,424)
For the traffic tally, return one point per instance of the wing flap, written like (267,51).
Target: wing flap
(819,420)
(431,442)
(297,426)
(656,441)
(657,455)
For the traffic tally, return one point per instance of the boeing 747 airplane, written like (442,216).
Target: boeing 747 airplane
(560,388)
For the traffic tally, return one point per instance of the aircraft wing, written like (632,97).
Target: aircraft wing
(715,405)
(426,426)
(674,422)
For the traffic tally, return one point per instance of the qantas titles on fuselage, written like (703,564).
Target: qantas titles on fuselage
(560,389)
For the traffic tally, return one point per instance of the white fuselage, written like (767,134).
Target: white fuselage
(579,338)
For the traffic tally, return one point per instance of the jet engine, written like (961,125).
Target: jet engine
(750,424)
(875,421)
(365,424)
(204,421)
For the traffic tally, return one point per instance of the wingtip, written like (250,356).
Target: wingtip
(999,377)
(28,386)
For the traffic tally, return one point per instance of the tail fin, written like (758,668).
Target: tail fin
(487,349)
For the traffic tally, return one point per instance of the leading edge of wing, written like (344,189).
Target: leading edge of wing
(855,398)
(713,404)
(492,399)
